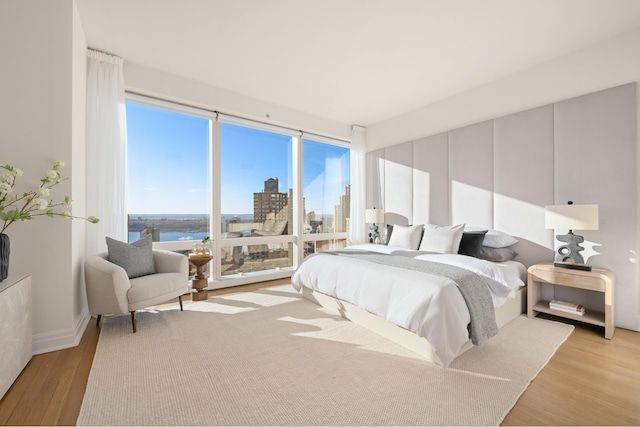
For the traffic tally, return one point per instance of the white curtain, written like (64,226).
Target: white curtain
(357,232)
(106,150)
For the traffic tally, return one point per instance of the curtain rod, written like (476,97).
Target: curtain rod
(103,52)
(218,112)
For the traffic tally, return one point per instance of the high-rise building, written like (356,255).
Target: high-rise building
(343,211)
(270,201)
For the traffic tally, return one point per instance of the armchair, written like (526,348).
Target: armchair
(110,291)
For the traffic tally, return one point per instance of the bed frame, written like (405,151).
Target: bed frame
(403,337)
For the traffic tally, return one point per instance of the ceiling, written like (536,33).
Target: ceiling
(351,61)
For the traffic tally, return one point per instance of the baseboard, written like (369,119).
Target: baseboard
(61,339)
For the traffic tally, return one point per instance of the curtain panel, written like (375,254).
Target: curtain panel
(357,232)
(106,149)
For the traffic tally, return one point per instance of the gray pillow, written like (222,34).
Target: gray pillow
(498,254)
(136,258)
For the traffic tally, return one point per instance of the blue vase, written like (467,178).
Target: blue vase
(4,256)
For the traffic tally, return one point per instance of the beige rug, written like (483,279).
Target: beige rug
(270,357)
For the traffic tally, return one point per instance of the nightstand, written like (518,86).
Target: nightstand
(597,280)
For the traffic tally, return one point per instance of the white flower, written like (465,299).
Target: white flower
(5,188)
(29,205)
(52,174)
(41,203)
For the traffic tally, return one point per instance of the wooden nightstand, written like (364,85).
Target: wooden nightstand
(597,280)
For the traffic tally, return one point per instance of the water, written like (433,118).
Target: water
(172,236)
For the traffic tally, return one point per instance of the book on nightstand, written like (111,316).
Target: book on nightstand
(567,307)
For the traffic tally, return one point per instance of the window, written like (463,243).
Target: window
(256,198)
(327,194)
(194,173)
(169,188)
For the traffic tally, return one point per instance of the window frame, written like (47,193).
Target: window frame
(297,238)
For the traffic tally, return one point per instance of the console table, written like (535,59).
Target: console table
(15,329)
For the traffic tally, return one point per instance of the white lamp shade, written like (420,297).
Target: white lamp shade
(374,216)
(571,217)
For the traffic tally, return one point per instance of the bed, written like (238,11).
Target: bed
(425,312)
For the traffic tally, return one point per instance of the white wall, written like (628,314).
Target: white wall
(42,47)
(78,168)
(607,64)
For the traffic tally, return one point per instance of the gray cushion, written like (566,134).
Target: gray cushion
(135,258)
(498,254)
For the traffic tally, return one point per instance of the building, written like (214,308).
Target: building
(270,201)
(343,209)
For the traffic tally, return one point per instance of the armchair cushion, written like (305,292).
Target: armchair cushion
(135,258)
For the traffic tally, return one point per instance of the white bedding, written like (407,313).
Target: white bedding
(432,308)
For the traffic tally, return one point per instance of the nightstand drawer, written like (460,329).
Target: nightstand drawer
(573,279)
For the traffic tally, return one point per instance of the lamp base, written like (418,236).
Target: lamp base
(373,233)
(570,251)
(572,265)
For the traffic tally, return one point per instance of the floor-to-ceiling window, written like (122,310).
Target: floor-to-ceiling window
(265,195)
(256,198)
(327,195)
(168,163)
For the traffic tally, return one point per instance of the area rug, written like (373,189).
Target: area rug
(270,357)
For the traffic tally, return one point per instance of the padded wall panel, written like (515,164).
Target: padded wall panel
(375,179)
(471,175)
(595,162)
(431,180)
(523,180)
(399,184)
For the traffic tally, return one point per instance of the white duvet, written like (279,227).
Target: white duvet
(429,305)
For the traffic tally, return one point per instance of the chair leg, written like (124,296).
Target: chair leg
(98,321)
(180,299)
(133,321)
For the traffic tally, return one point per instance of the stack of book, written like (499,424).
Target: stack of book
(566,307)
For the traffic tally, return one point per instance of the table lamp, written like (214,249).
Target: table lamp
(571,217)
(374,216)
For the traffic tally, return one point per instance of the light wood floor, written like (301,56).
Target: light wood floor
(589,381)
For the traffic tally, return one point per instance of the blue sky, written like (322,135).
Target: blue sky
(168,158)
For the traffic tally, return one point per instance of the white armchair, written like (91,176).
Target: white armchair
(110,291)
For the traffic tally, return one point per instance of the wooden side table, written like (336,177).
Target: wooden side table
(597,280)
(199,282)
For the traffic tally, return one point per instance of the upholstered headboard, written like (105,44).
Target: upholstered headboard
(501,173)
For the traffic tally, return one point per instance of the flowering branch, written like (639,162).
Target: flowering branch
(35,202)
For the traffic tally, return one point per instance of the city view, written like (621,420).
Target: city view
(271,217)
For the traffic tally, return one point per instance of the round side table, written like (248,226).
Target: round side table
(199,282)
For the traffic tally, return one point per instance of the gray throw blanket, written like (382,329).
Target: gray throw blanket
(473,288)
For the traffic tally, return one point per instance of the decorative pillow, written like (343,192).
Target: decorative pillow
(444,240)
(136,258)
(389,232)
(471,243)
(407,237)
(498,254)
(495,238)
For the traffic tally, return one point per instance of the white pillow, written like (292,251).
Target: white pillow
(495,238)
(407,237)
(444,240)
